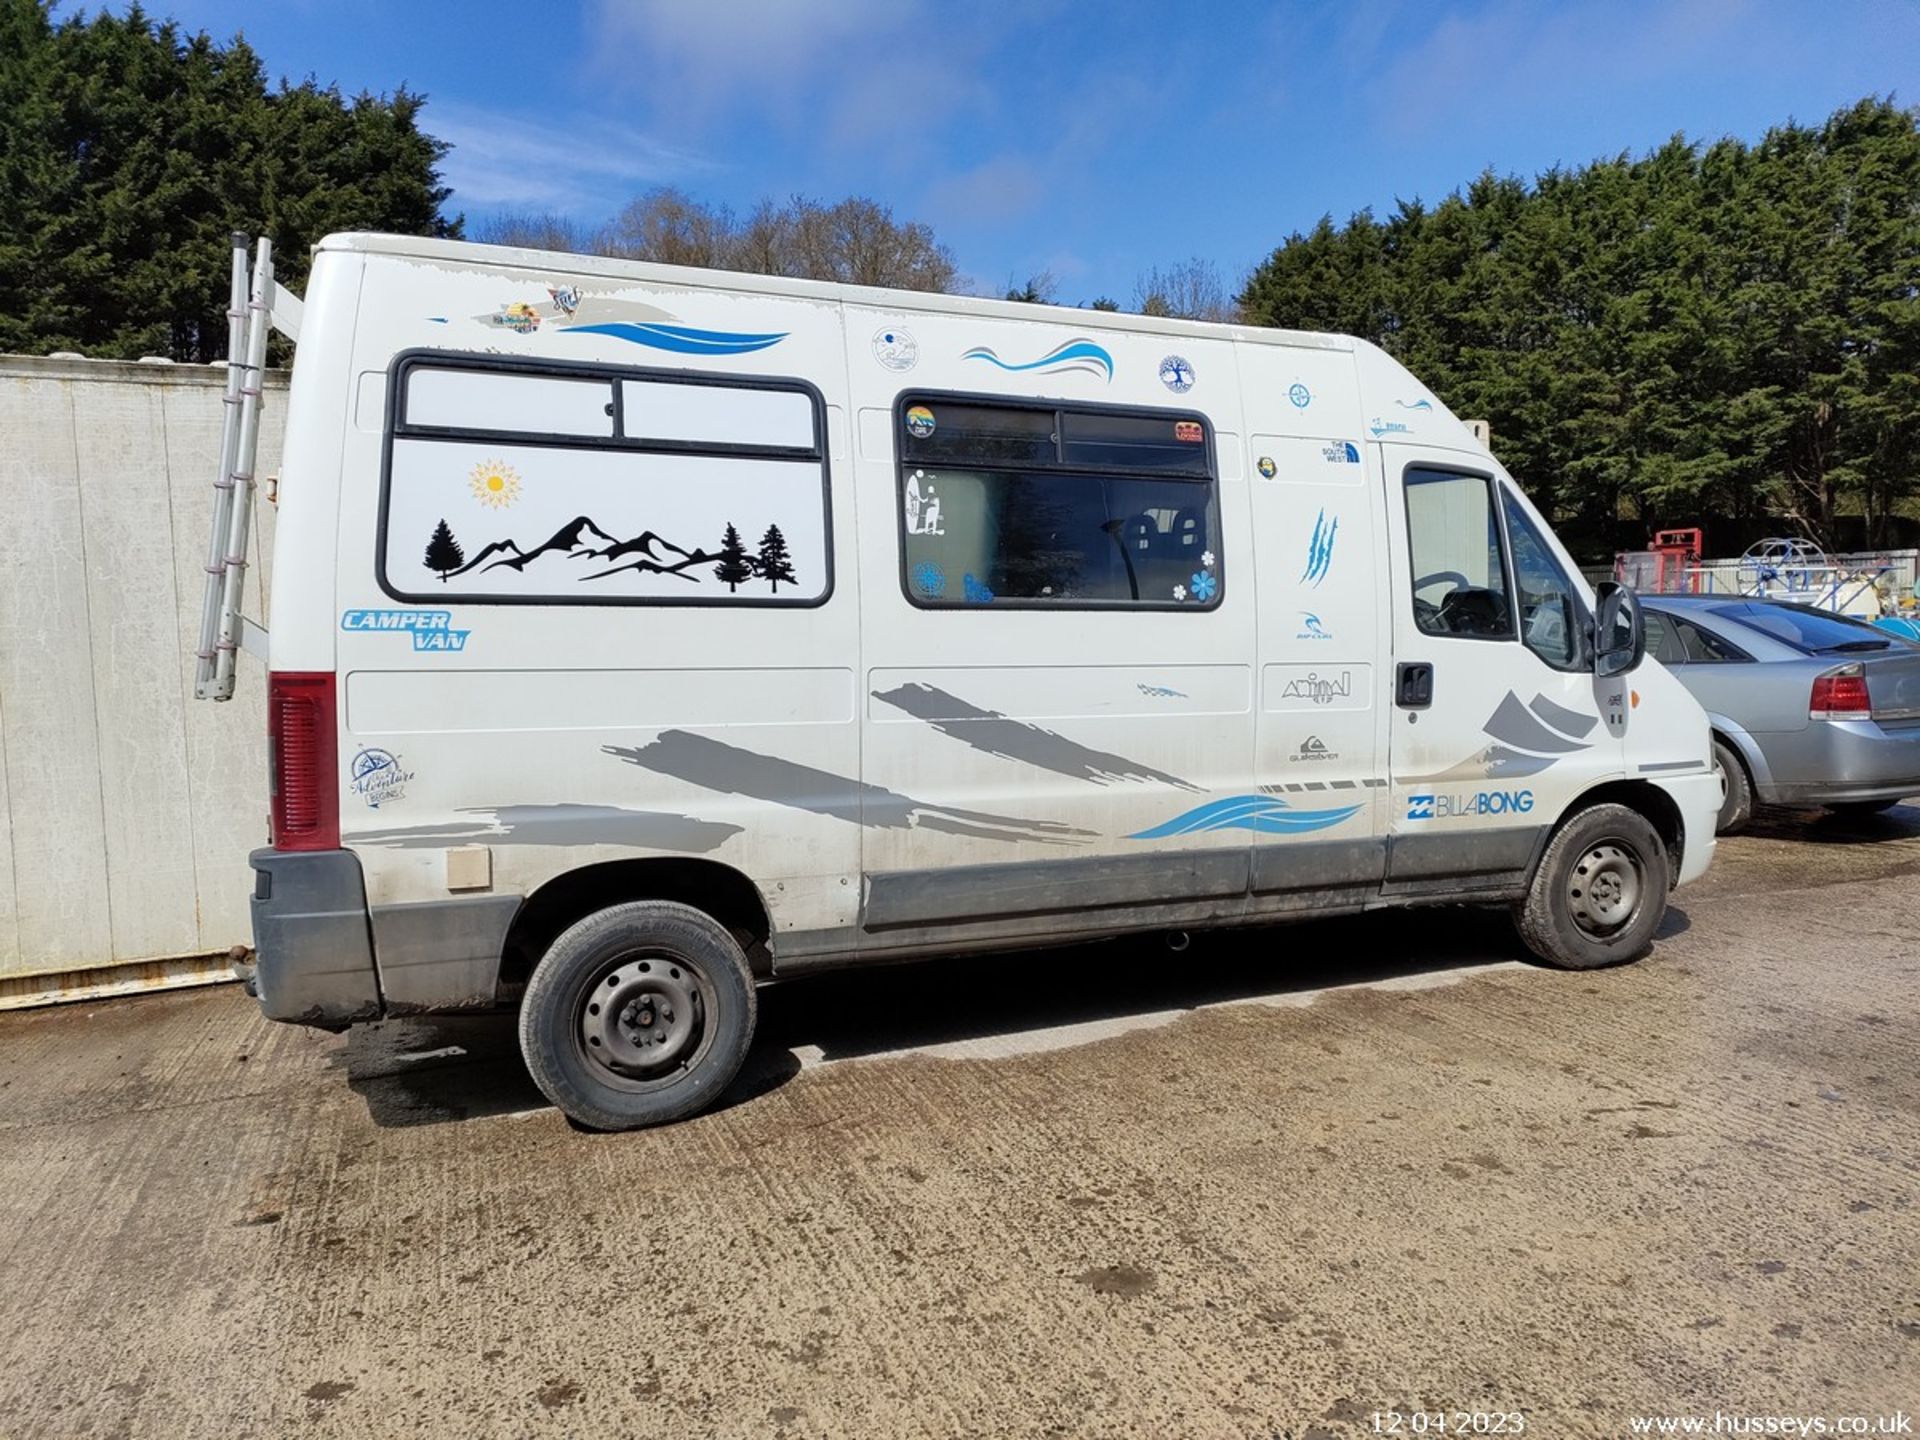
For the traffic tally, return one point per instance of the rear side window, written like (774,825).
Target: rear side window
(1038,506)
(511,483)
(1705,648)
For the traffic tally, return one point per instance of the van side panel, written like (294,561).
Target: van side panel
(586,645)
(1047,751)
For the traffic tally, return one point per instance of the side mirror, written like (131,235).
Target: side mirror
(1619,630)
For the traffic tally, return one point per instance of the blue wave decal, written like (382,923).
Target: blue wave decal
(681,339)
(1426,405)
(1081,355)
(1266,814)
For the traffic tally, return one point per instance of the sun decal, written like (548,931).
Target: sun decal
(495,484)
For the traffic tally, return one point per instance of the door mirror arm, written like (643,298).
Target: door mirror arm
(1619,630)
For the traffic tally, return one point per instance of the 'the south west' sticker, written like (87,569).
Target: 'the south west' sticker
(431,629)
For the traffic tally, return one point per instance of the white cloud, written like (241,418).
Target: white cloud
(500,160)
(1494,66)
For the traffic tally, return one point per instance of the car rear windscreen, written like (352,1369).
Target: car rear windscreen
(1806,629)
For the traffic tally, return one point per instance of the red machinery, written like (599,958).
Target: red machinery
(1666,567)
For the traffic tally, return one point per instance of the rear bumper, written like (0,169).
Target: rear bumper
(325,958)
(312,939)
(1834,761)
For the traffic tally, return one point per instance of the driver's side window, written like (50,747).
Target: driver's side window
(1459,574)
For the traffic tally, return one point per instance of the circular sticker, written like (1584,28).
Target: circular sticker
(1176,374)
(897,350)
(919,421)
(1300,396)
(1266,466)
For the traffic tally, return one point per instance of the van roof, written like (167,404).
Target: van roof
(464,254)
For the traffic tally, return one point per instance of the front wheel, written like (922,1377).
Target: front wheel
(1599,893)
(637,1015)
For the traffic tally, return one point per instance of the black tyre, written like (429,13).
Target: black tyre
(1736,789)
(1599,893)
(1860,809)
(638,1015)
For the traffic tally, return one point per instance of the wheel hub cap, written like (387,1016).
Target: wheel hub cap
(642,1018)
(1604,889)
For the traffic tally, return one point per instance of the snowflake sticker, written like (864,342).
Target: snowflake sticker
(1205,586)
(1179,592)
(1206,559)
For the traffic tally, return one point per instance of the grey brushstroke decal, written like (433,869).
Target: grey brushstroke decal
(1570,722)
(730,770)
(1518,729)
(1515,725)
(563,825)
(1001,735)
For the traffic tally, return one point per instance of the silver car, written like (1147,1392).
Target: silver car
(1808,707)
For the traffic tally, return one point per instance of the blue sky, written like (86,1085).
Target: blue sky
(1091,138)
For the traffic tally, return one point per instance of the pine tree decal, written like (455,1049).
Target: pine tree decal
(443,552)
(773,564)
(735,567)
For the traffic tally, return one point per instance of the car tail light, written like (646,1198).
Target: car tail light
(1840,694)
(303,761)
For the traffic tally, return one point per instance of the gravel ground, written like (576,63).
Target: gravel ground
(1265,1187)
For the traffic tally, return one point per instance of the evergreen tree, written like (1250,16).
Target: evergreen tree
(443,552)
(132,149)
(735,568)
(773,564)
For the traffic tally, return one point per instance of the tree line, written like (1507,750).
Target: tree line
(1727,330)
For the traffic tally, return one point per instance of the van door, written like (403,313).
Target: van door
(1498,719)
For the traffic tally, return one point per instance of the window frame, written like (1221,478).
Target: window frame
(1498,511)
(395,427)
(1209,484)
(1583,638)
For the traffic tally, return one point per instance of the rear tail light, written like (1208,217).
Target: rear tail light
(303,761)
(1840,694)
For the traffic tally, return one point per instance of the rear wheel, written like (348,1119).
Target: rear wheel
(639,1014)
(1736,790)
(1599,892)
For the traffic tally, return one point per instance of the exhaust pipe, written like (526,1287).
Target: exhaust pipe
(1177,940)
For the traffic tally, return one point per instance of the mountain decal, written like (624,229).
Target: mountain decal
(648,553)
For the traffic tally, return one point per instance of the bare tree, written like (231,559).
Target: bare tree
(1041,288)
(671,227)
(1188,290)
(856,240)
(533,230)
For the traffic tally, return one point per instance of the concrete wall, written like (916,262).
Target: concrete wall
(129,806)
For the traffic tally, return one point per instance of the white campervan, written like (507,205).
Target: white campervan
(641,634)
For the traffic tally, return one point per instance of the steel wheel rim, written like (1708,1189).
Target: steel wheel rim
(644,1020)
(1605,888)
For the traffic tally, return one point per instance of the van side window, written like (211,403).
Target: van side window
(1459,574)
(1553,620)
(518,482)
(1015,504)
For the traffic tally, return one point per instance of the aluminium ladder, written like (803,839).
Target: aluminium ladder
(256,303)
